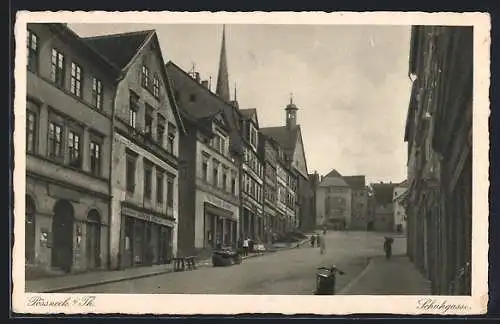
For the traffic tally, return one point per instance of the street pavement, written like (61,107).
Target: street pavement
(395,276)
(284,272)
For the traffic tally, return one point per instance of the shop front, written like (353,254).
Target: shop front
(220,226)
(146,239)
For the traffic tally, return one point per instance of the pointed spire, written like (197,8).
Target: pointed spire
(222,89)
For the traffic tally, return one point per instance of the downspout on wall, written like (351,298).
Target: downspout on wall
(110,182)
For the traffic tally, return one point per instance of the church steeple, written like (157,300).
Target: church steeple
(291,114)
(222,89)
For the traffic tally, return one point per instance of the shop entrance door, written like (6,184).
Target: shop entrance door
(62,230)
(29,235)
(93,244)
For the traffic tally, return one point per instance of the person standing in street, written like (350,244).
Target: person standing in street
(245,246)
(322,245)
(317,240)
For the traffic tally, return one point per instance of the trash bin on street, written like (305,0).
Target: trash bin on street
(326,279)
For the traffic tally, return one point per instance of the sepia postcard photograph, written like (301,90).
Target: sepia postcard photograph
(229,163)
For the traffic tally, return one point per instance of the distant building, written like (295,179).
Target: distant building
(359,202)
(333,202)
(383,218)
(209,184)
(400,191)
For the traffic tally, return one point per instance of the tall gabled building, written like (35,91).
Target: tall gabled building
(209,184)
(252,185)
(146,127)
(289,138)
(69,105)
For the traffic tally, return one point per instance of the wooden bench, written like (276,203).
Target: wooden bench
(184,263)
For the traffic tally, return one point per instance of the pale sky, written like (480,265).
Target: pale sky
(350,84)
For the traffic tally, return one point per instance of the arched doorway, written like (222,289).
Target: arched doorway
(62,232)
(93,244)
(30,233)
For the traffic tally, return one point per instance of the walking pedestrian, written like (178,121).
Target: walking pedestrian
(317,240)
(322,245)
(313,240)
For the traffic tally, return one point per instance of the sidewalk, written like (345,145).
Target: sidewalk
(63,283)
(396,276)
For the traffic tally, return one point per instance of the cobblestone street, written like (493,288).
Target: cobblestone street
(285,272)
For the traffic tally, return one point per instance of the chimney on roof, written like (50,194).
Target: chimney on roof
(197,76)
(204,83)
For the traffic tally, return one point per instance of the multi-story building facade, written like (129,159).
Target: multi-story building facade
(333,202)
(439,136)
(383,217)
(144,168)
(70,90)
(292,155)
(252,185)
(400,191)
(268,151)
(359,202)
(209,182)
(286,195)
